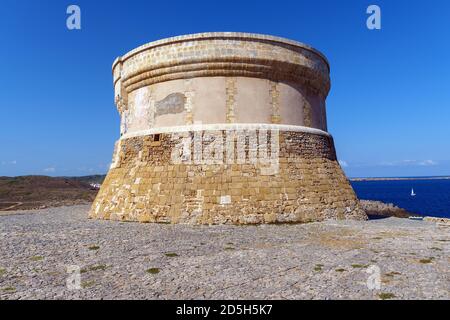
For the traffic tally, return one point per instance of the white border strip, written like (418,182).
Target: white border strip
(224,126)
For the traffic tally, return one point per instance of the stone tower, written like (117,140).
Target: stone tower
(224,128)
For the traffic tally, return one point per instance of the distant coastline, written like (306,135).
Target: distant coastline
(400,178)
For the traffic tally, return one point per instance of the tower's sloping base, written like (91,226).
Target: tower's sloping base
(305,184)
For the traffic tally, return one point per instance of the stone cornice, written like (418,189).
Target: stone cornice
(223,54)
(220,35)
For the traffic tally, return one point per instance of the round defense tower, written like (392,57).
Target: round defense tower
(224,128)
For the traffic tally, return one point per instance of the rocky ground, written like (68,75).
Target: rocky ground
(328,260)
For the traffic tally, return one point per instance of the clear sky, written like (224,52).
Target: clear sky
(388,108)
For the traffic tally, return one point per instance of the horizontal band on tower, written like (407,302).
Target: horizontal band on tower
(225,126)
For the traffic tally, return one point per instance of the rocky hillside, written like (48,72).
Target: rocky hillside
(31,192)
(98,178)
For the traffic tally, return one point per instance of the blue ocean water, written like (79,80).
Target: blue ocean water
(432,196)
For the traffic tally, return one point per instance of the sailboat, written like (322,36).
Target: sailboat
(412,192)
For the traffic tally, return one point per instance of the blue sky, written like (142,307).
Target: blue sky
(387,109)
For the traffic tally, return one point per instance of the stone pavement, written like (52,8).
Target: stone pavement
(117,260)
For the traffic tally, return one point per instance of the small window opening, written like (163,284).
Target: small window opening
(156,137)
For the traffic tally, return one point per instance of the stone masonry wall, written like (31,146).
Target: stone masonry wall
(144,184)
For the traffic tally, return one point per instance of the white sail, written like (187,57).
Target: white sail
(412,192)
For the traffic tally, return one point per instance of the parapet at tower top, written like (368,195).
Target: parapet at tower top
(220,35)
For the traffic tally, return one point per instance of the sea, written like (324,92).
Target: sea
(432,196)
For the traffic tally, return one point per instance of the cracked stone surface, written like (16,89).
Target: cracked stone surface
(123,260)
